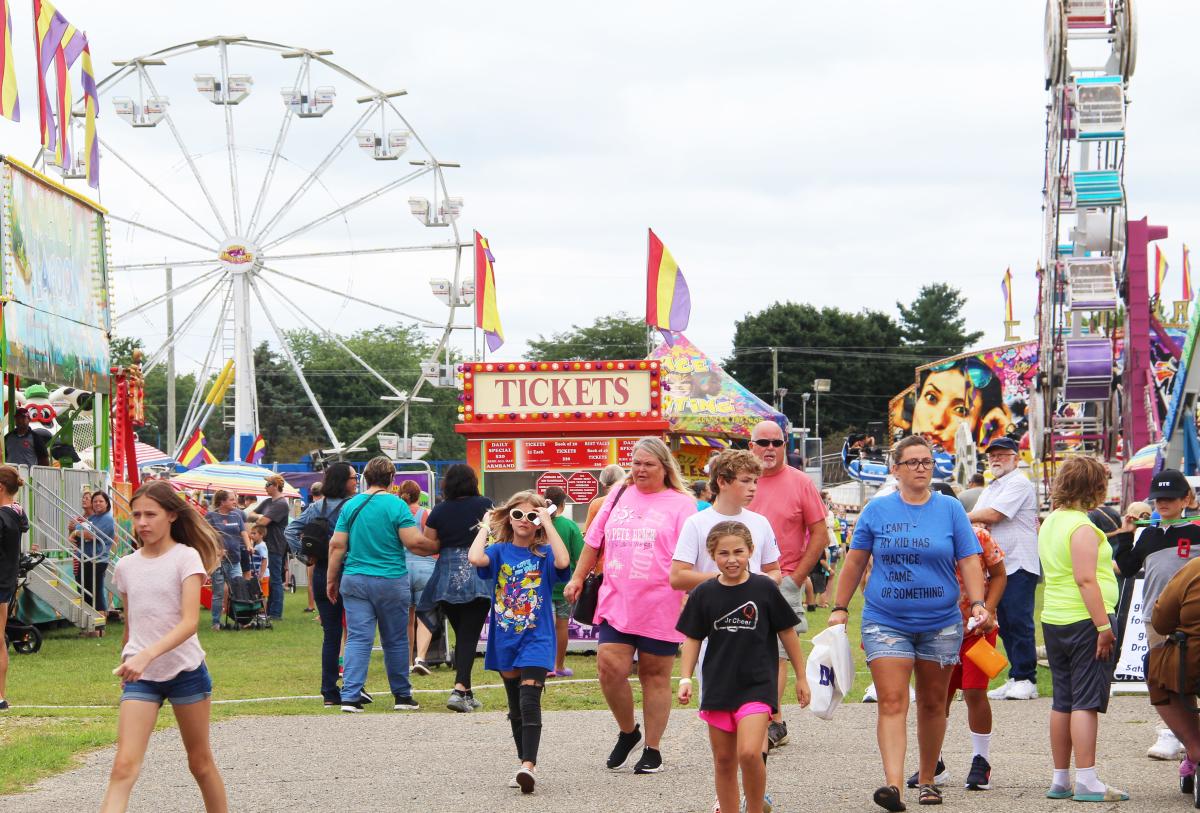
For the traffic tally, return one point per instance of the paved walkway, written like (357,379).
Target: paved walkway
(440,762)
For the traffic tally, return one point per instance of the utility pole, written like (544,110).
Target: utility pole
(775,377)
(170,366)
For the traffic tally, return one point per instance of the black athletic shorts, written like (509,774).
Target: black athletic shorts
(1081,683)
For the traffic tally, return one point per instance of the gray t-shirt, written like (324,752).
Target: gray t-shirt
(1013,496)
(969,497)
(24,450)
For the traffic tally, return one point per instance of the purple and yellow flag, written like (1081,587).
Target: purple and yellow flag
(49,26)
(487,314)
(1160,271)
(194,453)
(258,450)
(1187,275)
(668,300)
(10,105)
(91,145)
(1006,290)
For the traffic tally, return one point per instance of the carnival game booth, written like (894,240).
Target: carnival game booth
(706,409)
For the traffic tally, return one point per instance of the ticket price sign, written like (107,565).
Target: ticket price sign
(582,487)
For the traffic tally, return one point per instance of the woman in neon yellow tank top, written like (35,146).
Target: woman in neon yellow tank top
(1077,624)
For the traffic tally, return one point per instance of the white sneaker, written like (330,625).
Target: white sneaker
(1167,746)
(1001,692)
(1022,690)
(869,695)
(513,783)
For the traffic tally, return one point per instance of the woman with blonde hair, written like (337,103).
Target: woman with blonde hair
(1078,608)
(610,475)
(161,658)
(636,531)
(527,558)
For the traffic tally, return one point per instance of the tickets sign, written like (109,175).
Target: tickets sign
(606,390)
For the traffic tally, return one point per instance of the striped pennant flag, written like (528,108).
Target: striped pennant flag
(668,300)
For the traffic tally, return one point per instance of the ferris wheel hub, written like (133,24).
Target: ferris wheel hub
(239,255)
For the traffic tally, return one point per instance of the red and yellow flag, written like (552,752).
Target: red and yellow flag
(487,313)
(668,300)
(1160,271)
(10,105)
(1187,275)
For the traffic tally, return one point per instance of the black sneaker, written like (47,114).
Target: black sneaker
(405,702)
(619,757)
(421,668)
(776,734)
(651,761)
(352,708)
(330,703)
(941,777)
(364,697)
(3,705)
(980,775)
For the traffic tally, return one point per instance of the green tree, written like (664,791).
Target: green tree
(933,324)
(619,336)
(860,353)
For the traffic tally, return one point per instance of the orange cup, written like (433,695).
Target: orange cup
(985,656)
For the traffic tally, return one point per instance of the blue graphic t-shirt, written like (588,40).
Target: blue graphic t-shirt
(521,629)
(914,551)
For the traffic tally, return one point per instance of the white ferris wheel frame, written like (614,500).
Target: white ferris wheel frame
(236,289)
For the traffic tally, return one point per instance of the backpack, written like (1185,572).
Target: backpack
(315,536)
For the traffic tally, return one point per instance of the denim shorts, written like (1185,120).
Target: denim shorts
(182,690)
(6,596)
(941,645)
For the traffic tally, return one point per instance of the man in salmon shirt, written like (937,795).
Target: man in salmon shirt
(791,503)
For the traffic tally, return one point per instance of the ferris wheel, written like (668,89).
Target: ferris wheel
(1091,53)
(266,182)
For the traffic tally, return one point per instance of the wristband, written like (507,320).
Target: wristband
(685,681)
(840,610)
(1105,628)
(978,603)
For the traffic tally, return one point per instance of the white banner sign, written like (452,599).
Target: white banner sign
(1134,645)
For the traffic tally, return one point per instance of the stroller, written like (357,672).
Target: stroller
(246,607)
(26,639)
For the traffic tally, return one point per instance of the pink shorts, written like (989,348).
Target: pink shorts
(728,720)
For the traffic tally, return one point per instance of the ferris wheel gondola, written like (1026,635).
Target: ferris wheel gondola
(262,224)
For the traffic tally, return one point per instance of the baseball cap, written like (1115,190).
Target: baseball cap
(1006,444)
(1169,483)
(1138,509)
(21,412)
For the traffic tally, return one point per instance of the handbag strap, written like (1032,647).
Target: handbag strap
(354,516)
(604,526)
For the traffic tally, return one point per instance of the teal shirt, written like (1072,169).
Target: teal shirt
(375,548)
(573,539)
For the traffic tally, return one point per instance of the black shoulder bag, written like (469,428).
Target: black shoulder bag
(589,596)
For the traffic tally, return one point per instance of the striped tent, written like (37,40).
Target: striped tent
(242,478)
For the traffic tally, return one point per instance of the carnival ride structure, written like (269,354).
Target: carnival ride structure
(268,206)
(1093,259)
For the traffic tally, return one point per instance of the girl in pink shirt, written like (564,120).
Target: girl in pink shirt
(161,658)
(636,612)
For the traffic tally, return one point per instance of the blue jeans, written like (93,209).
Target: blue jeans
(1015,614)
(331,641)
(371,601)
(225,572)
(275,562)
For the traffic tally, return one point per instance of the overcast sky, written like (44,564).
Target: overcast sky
(840,154)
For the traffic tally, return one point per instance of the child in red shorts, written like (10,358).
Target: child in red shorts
(967,676)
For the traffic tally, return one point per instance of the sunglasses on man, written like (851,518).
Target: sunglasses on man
(765,442)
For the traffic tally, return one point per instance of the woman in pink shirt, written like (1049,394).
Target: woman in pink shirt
(161,658)
(636,531)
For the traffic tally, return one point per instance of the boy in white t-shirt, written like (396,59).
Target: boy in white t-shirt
(734,478)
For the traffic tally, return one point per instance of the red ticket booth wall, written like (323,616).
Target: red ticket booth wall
(531,425)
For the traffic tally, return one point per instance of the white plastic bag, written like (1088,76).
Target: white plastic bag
(830,670)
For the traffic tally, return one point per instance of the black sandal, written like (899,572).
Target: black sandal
(888,797)
(929,795)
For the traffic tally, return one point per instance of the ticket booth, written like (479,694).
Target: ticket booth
(532,425)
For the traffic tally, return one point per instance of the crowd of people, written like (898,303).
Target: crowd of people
(721,578)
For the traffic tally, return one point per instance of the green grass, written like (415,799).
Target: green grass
(284,662)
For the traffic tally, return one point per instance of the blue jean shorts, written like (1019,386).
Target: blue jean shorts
(6,596)
(182,690)
(941,645)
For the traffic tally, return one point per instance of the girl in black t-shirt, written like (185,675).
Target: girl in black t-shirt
(741,614)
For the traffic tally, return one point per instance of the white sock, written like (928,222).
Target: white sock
(1087,779)
(1062,778)
(981,744)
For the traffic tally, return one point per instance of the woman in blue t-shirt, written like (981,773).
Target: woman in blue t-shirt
(521,636)
(915,540)
(95,542)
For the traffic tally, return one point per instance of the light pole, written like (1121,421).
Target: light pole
(804,411)
(820,385)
